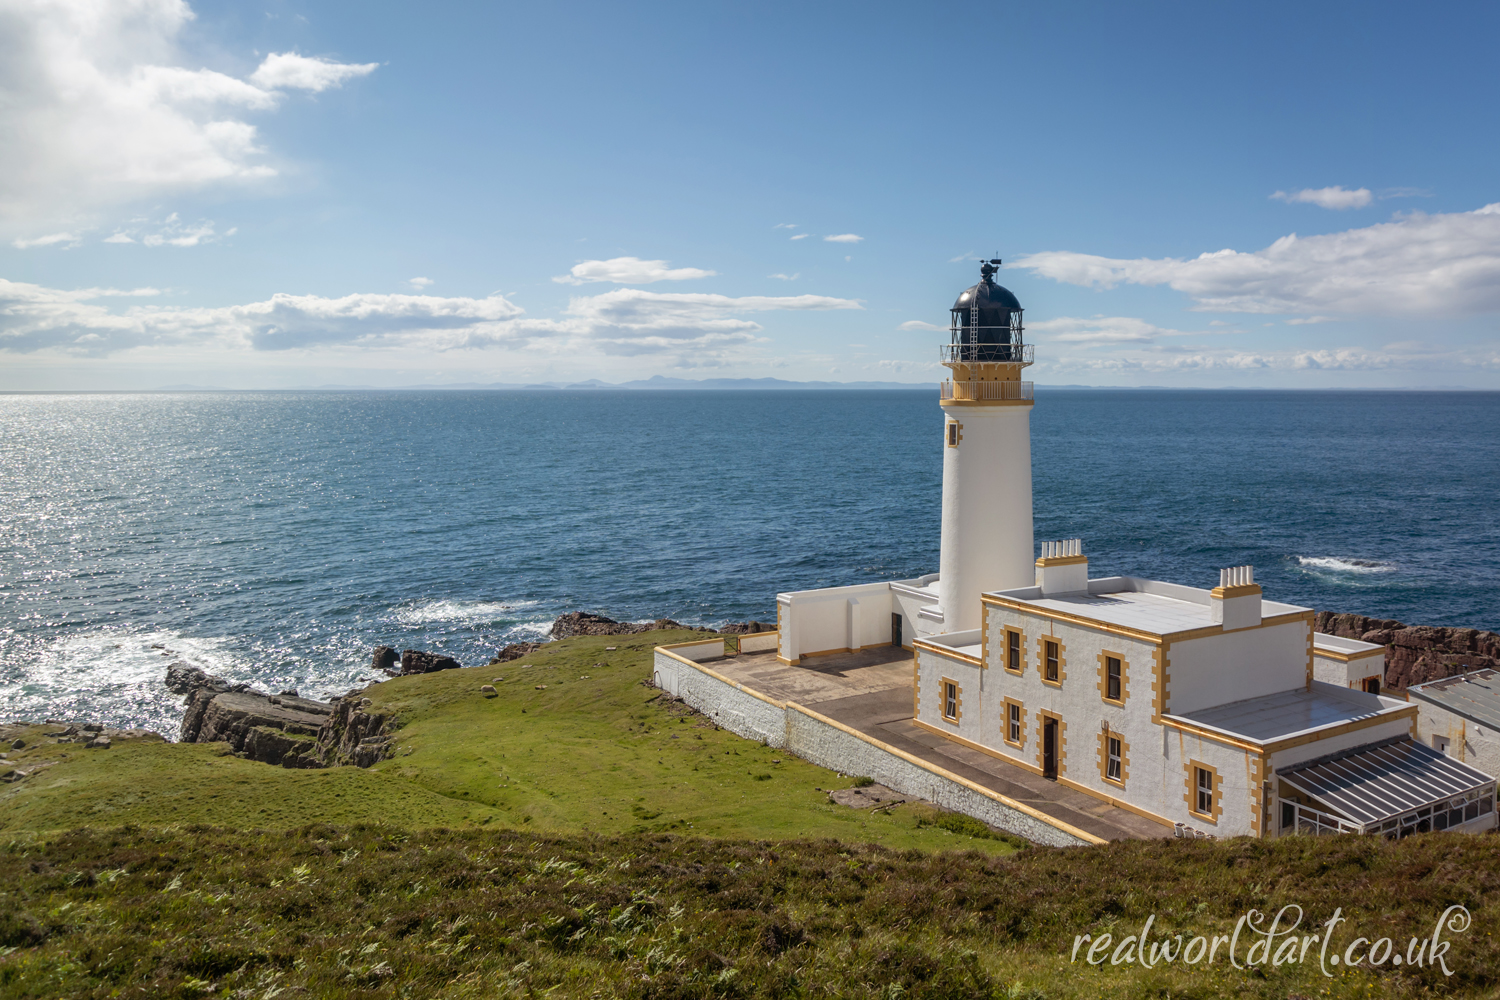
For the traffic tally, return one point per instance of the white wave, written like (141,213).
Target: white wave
(1337,565)
(112,676)
(462,612)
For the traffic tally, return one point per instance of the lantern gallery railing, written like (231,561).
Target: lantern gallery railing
(1011,354)
(987,391)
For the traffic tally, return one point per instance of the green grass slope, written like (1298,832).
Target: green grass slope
(572,743)
(385,913)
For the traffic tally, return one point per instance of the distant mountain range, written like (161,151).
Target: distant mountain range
(661,382)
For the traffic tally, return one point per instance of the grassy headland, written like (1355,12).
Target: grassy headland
(573,743)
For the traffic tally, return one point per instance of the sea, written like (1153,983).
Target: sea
(275,538)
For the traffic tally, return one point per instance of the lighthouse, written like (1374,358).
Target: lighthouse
(986,535)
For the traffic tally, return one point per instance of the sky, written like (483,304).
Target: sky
(286,194)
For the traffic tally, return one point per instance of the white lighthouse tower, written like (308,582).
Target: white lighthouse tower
(986,539)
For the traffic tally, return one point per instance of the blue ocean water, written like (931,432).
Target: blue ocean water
(276,537)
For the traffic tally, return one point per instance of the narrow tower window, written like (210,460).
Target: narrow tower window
(953,434)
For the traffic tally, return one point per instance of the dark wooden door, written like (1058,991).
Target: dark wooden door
(896,631)
(1049,748)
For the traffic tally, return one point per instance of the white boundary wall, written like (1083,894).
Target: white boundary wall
(834,620)
(829,743)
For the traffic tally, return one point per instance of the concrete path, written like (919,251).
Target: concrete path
(870,691)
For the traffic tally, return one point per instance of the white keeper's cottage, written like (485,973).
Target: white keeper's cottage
(1214,710)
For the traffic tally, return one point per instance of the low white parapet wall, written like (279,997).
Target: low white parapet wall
(831,744)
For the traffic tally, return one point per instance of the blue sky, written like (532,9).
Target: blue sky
(289,194)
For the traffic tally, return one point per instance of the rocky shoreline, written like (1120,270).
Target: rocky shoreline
(287,730)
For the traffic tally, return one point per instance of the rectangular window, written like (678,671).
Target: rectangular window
(1205,784)
(952,434)
(1015,723)
(1372,685)
(1112,678)
(1051,661)
(950,701)
(1013,650)
(1112,770)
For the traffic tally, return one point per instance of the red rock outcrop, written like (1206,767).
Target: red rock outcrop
(1417,653)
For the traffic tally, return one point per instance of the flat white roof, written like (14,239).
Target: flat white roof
(1337,642)
(1291,713)
(1153,606)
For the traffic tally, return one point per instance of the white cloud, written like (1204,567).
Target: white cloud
(908,367)
(786,277)
(843,238)
(420,284)
(34,318)
(1307,320)
(630,321)
(1390,358)
(629,271)
(785,225)
(174,233)
(1416,264)
(1100,330)
(1404,192)
(695,330)
(1335,197)
(170,232)
(917,324)
(51,240)
(110,115)
(284,70)
(801,236)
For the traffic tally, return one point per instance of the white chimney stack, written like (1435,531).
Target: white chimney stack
(1236,600)
(1063,568)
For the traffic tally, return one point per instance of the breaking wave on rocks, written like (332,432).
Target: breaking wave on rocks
(1334,564)
(464,612)
(111,675)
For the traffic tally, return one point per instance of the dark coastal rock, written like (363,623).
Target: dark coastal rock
(386,660)
(515,651)
(184,678)
(263,727)
(745,628)
(584,623)
(354,735)
(414,661)
(1415,654)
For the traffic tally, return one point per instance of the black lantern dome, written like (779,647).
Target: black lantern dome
(986,323)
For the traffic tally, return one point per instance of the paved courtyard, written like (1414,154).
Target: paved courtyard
(871,691)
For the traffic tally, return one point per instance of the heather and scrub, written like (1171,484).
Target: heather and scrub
(372,911)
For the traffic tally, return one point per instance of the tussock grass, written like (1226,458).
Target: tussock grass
(381,912)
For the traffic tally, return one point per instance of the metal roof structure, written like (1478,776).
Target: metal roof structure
(1291,713)
(1475,696)
(1380,781)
